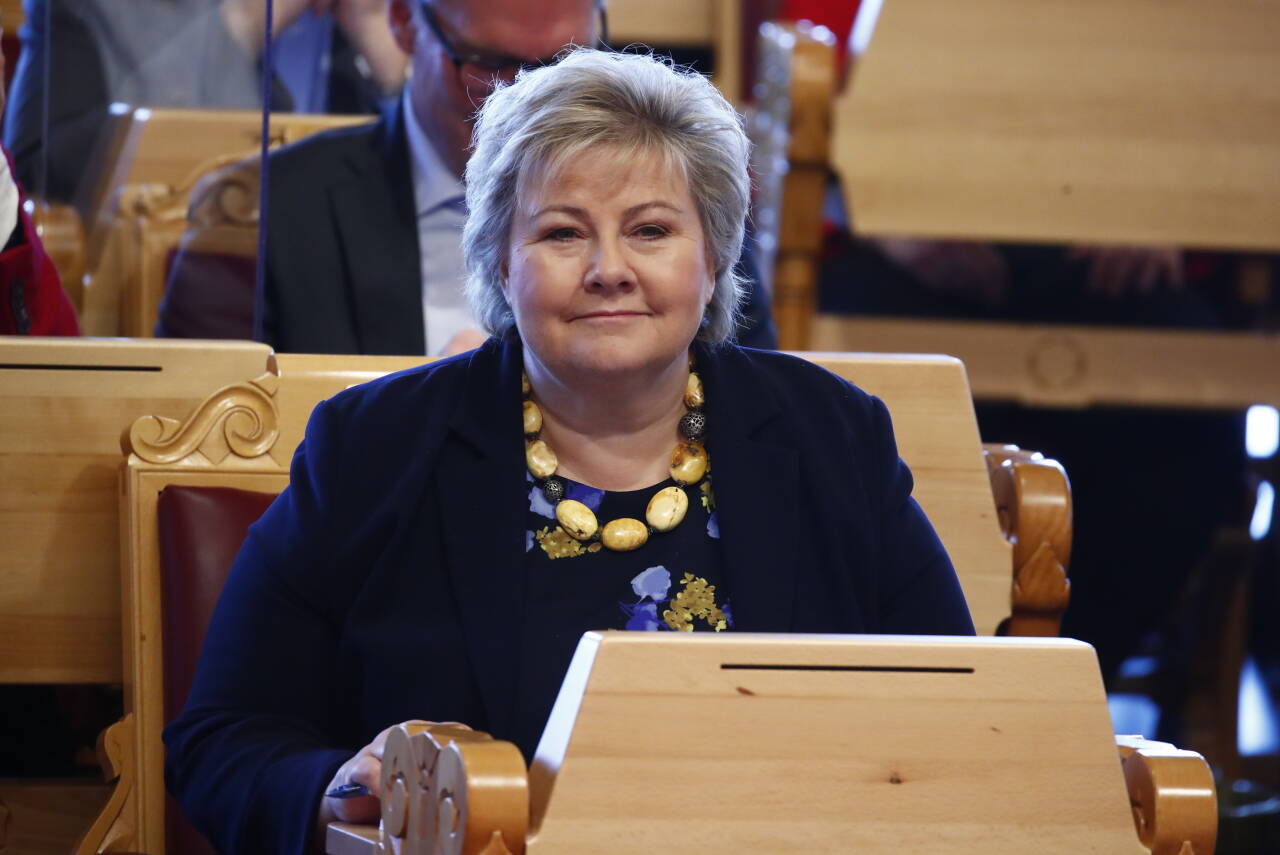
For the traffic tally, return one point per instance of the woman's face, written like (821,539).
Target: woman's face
(607,271)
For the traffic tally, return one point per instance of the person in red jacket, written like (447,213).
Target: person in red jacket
(32,301)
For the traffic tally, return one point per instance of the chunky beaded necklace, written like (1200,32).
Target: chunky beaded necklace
(666,510)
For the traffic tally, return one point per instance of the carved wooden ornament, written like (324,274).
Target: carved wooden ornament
(241,419)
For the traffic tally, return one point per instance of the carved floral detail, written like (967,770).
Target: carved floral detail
(240,419)
(448,790)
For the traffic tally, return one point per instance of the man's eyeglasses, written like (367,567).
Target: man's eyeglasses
(479,71)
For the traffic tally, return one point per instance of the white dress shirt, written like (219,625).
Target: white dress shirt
(441,205)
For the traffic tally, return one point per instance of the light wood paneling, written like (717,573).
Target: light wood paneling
(821,759)
(937,433)
(1110,121)
(63,405)
(1072,366)
(12,16)
(715,24)
(662,22)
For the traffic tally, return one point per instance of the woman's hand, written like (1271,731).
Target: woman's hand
(363,768)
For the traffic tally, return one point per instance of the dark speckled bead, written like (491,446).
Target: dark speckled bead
(693,425)
(553,490)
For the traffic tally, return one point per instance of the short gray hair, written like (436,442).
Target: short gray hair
(589,98)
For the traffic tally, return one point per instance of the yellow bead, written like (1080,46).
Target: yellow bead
(667,508)
(524,384)
(693,396)
(541,459)
(532,418)
(688,463)
(624,534)
(577,519)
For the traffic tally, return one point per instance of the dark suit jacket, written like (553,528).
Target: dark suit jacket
(343,270)
(387,582)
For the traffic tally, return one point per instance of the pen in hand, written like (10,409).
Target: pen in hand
(348,791)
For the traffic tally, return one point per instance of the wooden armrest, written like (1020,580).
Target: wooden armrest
(1171,791)
(113,830)
(446,790)
(1033,501)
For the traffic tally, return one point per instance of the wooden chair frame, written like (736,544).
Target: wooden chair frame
(158,158)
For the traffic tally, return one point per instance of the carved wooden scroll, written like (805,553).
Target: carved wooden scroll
(240,419)
(227,196)
(1033,499)
(1174,801)
(446,790)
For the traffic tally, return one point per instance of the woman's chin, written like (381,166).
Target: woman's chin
(621,358)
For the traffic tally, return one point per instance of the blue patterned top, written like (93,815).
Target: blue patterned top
(674,582)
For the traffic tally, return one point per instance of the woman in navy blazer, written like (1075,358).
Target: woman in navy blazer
(434,558)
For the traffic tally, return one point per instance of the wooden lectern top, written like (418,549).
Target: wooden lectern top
(795,743)
(800,743)
(1128,121)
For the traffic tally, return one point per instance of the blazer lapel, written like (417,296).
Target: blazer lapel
(483,501)
(756,486)
(376,218)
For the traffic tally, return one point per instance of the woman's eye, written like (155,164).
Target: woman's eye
(650,231)
(562,234)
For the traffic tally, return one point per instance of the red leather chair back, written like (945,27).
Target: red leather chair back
(201,530)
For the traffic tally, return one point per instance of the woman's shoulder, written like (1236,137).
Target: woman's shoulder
(791,378)
(432,383)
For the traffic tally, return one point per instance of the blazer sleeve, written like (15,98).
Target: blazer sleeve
(919,591)
(249,756)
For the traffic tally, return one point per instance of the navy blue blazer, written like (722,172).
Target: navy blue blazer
(386,583)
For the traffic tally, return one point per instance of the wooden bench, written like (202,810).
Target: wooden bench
(62,405)
(138,207)
(244,435)
(904,177)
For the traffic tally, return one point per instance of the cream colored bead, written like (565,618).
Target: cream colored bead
(688,463)
(624,534)
(532,418)
(541,459)
(577,519)
(693,396)
(667,508)
(524,384)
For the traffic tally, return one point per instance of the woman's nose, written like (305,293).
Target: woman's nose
(609,267)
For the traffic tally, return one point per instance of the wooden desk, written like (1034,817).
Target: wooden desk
(63,404)
(682,23)
(1134,121)
(1047,365)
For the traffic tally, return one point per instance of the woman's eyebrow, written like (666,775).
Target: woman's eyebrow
(574,211)
(571,210)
